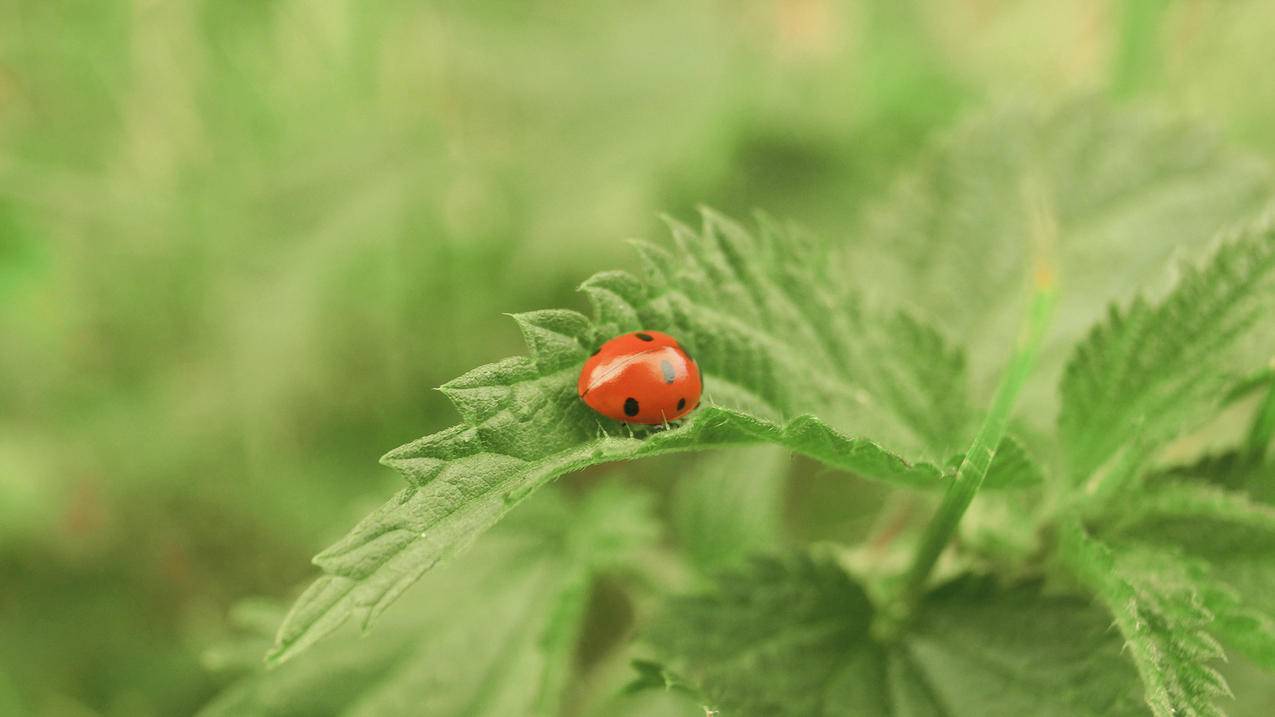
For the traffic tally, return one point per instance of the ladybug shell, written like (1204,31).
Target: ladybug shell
(641,377)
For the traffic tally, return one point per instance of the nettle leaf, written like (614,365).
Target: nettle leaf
(780,341)
(1232,538)
(1159,608)
(1109,194)
(494,635)
(1155,369)
(1013,467)
(783,636)
(791,636)
(1234,470)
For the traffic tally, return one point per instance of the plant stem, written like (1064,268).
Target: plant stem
(969,477)
(1137,51)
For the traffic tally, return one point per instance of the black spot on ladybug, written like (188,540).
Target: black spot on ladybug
(681,403)
(630,407)
(645,337)
(596,351)
(666,368)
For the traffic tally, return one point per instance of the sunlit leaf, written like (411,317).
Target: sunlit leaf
(780,341)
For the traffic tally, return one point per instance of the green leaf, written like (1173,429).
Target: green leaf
(1233,470)
(1232,540)
(1021,649)
(1169,510)
(779,340)
(978,459)
(1109,194)
(1159,609)
(1155,369)
(494,635)
(730,504)
(1013,467)
(1237,625)
(11,702)
(786,636)
(790,636)
(653,675)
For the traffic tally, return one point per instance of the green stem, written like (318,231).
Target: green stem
(1137,49)
(969,477)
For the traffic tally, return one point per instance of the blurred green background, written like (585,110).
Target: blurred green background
(241,241)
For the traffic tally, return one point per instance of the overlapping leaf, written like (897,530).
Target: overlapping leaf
(1232,539)
(1013,466)
(491,636)
(1159,607)
(790,636)
(1110,195)
(1154,369)
(779,339)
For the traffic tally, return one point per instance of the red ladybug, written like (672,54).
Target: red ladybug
(641,377)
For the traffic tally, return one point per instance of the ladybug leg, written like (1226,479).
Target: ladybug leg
(601,429)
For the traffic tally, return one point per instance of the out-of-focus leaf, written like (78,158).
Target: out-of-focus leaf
(790,636)
(493,636)
(1159,610)
(730,504)
(1233,539)
(1155,369)
(1107,195)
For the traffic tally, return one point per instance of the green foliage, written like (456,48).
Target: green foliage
(775,336)
(1162,615)
(730,505)
(495,636)
(1012,467)
(790,636)
(241,242)
(1229,538)
(1107,196)
(794,359)
(1153,371)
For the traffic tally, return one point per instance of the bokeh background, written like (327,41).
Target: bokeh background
(241,241)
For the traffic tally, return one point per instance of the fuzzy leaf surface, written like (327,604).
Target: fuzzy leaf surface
(1231,539)
(780,341)
(1159,608)
(1154,369)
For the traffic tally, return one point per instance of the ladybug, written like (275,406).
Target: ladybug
(641,377)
